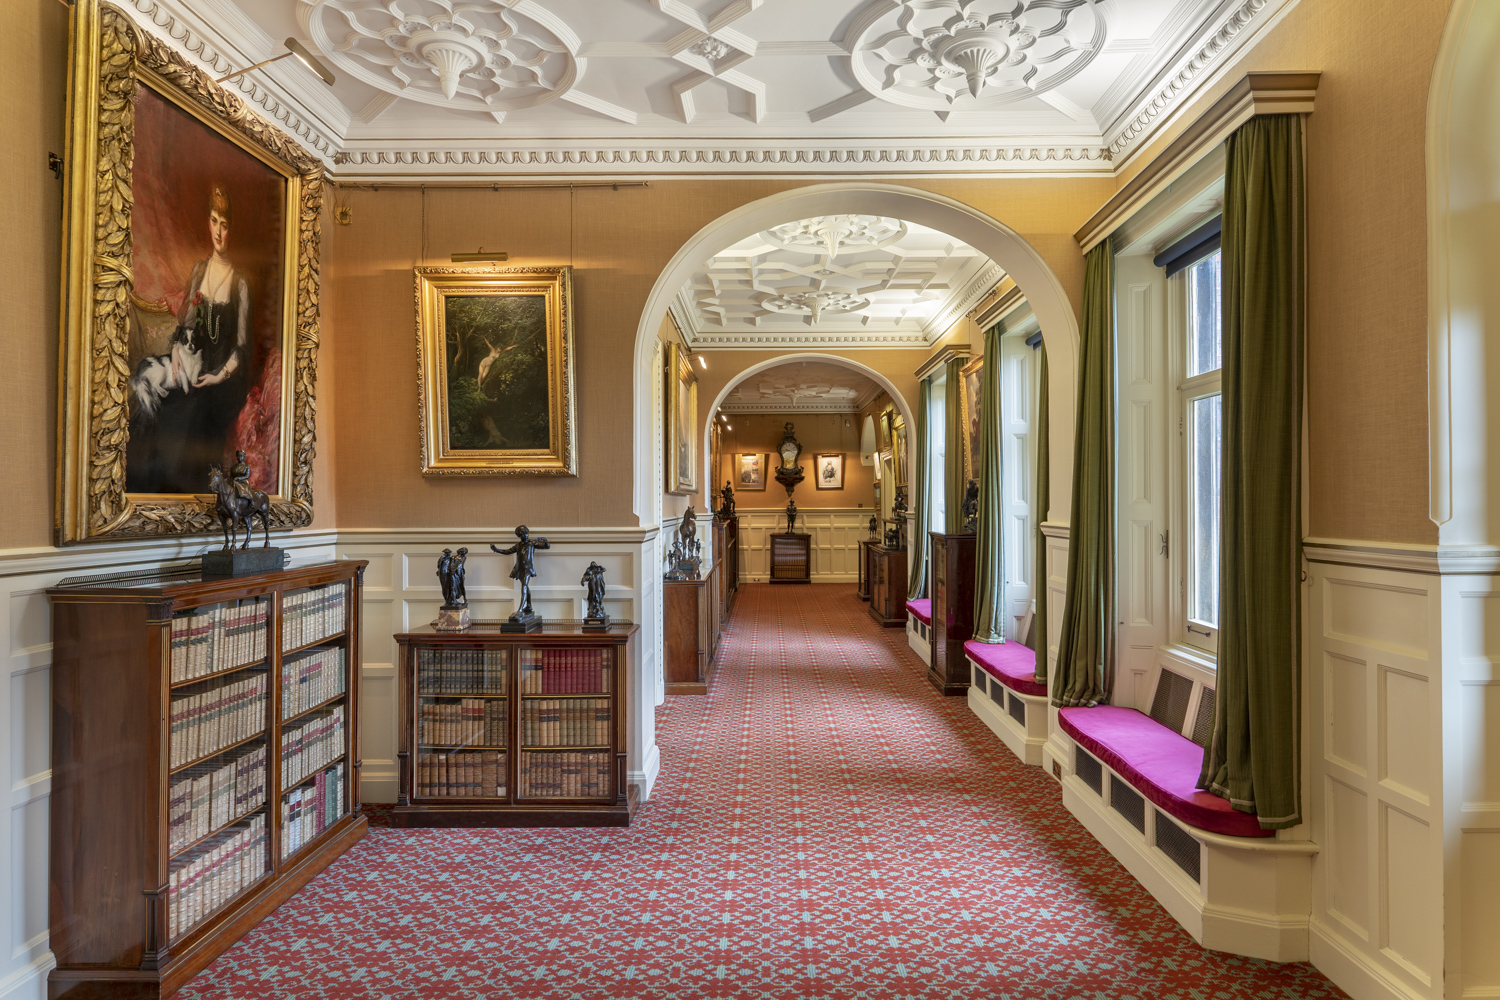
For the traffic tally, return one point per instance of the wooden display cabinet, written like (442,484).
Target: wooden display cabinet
(205,764)
(727,564)
(514,728)
(791,558)
(952,611)
(887,585)
(690,633)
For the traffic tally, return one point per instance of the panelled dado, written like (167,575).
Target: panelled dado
(836,536)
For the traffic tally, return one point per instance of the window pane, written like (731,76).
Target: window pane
(1204,332)
(1203,569)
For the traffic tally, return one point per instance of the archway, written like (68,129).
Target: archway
(987,235)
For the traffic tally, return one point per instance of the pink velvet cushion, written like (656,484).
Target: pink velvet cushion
(1010,663)
(922,608)
(1158,763)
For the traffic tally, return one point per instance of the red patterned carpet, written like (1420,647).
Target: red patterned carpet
(825,826)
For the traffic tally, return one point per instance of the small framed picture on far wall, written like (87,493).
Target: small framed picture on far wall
(750,471)
(830,472)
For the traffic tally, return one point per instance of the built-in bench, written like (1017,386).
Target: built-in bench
(1006,695)
(1133,784)
(919,627)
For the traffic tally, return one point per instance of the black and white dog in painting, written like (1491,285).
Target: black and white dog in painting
(160,374)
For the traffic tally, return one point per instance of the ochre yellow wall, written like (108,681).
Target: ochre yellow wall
(1367,256)
(619,242)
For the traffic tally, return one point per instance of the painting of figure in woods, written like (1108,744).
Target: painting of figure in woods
(497,371)
(496,353)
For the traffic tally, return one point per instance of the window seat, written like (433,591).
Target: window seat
(1005,695)
(1160,764)
(1010,663)
(919,627)
(1130,778)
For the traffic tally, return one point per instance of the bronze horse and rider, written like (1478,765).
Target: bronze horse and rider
(236,502)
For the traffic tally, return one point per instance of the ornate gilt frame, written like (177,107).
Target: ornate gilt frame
(681,482)
(433,284)
(973,368)
(108,55)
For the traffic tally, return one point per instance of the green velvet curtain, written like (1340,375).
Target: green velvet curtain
(989,566)
(919,494)
(1252,759)
(953,448)
(1085,644)
(1041,500)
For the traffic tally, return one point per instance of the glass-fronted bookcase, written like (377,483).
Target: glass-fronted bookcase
(514,729)
(205,763)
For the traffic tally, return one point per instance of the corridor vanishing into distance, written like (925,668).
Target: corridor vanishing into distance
(825,826)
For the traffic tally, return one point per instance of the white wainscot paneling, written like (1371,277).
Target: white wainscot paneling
(402,593)
(26,750)
(1376,779)
(836,533)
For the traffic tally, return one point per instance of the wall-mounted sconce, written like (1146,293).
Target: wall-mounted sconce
(293,48)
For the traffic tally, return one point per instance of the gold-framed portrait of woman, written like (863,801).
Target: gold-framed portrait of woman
(190,316)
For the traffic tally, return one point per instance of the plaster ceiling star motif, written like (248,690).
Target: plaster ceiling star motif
(466,54)
(815,303)
(947,55)
(712,50)
(833,234)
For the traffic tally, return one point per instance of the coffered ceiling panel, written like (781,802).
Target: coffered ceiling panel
(512,86)
(845,280)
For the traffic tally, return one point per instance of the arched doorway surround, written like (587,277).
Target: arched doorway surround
(1463,260)
(985,234)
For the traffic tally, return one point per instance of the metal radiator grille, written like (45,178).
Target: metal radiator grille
(1177,845)
(979,679)
(1090,770)
(1169,705)
(1128,803)
(1017,709)
(997,693)
(1203,723)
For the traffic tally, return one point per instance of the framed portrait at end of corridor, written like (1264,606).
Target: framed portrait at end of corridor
(829,471)
(750,470)
(495,371)
(190,294)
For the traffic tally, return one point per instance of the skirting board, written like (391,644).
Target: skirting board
(30,981)
(645,778)
(1350,971)
(1029,751)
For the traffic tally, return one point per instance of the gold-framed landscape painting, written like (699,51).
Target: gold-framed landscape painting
(970,405)
(495,371)
(189,313)
(682,419)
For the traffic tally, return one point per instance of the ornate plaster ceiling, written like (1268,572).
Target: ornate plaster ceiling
(496,87)
(835,280)
(802,386)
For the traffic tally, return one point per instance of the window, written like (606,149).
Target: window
(1201,427)
(937,453)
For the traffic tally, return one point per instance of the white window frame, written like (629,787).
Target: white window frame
(1201,638)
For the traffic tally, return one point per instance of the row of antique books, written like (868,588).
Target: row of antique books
(565,722)
(212,873)
(564,671)
(468,774)
(220,637)
(469,721)
(207,721)
(567,775)
(316,742)
(311,680)
(201,799)
(311,809)
(310,615)
(461,671)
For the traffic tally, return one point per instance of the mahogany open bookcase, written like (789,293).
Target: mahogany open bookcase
(205,764)
(514,729)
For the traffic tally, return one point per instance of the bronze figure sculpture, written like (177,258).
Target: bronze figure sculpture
(524,619)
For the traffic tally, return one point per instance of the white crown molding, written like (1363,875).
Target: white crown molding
(980,285)
(218,52)
(843,340)
(1205,62)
